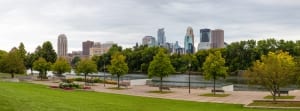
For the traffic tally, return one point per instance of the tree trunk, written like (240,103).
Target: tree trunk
(160,87)
(274,97)
(118,82)
(12,75)
(278,91)
(85,79)
(214,86)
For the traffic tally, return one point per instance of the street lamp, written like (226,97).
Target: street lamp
(189,78)
(104,73)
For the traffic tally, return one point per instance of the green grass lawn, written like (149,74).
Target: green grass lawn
(33,97)
(278,104)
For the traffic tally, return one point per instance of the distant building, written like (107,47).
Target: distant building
(62,45)
(170,47)
(96,49)
(178,49)
(205,39)
(189,41)
(86,47)
(149,40)
(161,37)
(217,38)
(99,49)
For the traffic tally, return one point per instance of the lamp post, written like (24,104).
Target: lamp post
(189,78)
(104,73)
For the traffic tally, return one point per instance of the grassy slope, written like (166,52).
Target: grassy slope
(32,97)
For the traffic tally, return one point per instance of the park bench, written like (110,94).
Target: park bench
(283,92)
(217,90)
(125,84)
(164,88)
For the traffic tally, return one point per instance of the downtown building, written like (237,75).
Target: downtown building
(62,46)
(161,37)
(211,39)
(149,41)
(99,49)
(86,47)
(189,41)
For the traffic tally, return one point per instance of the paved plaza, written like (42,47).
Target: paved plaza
(236,97)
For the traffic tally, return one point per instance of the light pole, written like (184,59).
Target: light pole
(189,78)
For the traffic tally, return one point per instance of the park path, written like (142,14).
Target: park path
(236,97)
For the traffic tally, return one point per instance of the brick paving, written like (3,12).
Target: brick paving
(236,97)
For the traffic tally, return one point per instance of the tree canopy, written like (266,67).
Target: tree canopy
(12,63)
(86,66)
(61,66)
(118,66)
(42,66)
(160,66)
(273,71)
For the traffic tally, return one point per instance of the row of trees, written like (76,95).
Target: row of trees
(237,55)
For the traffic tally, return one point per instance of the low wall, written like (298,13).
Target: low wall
(228,88)
(138,82)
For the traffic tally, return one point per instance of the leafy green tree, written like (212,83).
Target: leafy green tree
(42,66)
(273,71)
(118,66)
(86,66)
(160,66)
(13,64)
(48,52)
(61,66)
(3,55)
(30,58)
(214,67)
(74,61)
(22,52)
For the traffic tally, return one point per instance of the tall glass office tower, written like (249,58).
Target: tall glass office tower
(161,38)
(189,41)
(205,39)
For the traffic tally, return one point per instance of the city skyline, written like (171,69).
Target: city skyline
(33,22)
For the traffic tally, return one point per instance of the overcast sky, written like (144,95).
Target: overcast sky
(126,21)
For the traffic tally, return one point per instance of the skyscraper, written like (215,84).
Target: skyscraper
(205,39)
(86,47)
(149,40)
(161,38)
(217,38)
(62,45)
(189,41)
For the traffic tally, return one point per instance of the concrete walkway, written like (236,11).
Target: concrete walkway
(236,97)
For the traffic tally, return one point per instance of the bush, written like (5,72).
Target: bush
(68,80)
(68,85)
(78,79)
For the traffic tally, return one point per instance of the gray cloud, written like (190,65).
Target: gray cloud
(127,21)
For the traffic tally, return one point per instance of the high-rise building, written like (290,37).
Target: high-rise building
(149,40)
(62,45)
(217,38)
(189,41)
(161,37)
(205,39)
(86,47)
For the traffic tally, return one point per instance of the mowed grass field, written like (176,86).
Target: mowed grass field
(33,97)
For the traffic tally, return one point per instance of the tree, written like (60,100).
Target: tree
(160,66)
(214,67)
(61,66)
(74,61)
(13,64)
(42,66)
(118,66)
(30,58)
(86,66)
(22,52)
(273,71)
(47,52)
